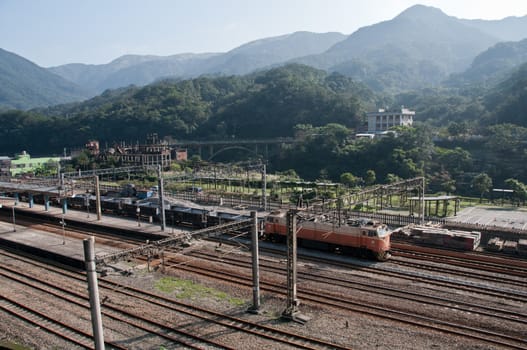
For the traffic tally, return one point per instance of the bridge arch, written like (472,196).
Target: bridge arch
(231,148)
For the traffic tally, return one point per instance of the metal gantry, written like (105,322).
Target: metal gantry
(154,247)
(227,174)
(291,312)
(376,193)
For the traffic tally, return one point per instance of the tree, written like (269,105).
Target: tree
(370,177)
(289,174)
(506,138)
(482,183)
(454,160)
(455,128)
(175,167)
(349,179)
(449,186)
(323,175)
(392,178)
(82,160)
(47,169)
(520,189)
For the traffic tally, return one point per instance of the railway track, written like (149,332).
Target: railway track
(502,268)
(414,276)
(422,321)
(272,334)
(280,336)
(341,302)
(141,323)
(436,280)
(426,263)
(378,289)
(484,260)
(38,319)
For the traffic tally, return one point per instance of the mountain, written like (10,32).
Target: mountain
(142,70)
(506,29)
(264,53)
(493,64)
(508,100)
(419,47)
(127,70)
(24,85)
(260,105)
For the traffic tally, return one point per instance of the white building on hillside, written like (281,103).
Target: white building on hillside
(383,119)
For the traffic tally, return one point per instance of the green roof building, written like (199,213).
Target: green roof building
(23,163)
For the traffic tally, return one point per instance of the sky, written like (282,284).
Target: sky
(55,32)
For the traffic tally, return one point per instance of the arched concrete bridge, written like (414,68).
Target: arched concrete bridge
(209,149)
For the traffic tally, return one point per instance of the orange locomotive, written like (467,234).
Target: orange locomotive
(362,237)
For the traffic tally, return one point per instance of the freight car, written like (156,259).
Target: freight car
(522,247)
(220,217)
(440,237)
(149,210)
(354,237)
(497,244)
(194,217)
(108,204)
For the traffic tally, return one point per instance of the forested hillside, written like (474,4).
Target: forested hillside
(475,106)
(507,102)
(25,85)
(457,133)
(493,64)
(267,104)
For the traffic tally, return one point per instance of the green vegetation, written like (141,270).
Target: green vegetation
(185,289)
(263,105)
(24,85)
(12,346)
(458,133)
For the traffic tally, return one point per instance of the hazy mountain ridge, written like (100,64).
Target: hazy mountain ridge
(508,99)
(494,64)
(24,85)
(142,70)
(126,70)
(506,29)
(418,48)
(421,47)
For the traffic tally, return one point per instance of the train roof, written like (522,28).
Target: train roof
(443,231)
(182,209)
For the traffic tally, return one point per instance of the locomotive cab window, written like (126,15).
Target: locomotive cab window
(364,233)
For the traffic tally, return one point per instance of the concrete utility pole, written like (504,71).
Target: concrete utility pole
(423,202)
(255,308)
(264,187)
(161,198)
(63,223)
(14,221)
(291,313)
(95,306)
(61,184)
(98,198)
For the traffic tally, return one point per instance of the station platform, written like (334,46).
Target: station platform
(89,217)
(32,240)
(59,247)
